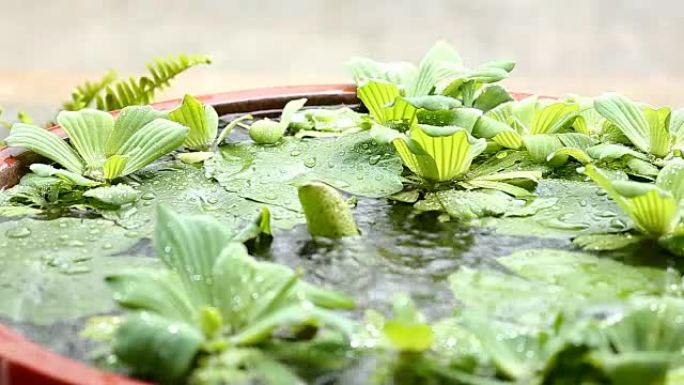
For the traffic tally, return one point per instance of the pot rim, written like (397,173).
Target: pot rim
(26,362)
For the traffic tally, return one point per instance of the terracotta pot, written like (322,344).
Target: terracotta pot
(23,362)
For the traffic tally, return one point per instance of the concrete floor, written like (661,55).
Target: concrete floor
(578,46)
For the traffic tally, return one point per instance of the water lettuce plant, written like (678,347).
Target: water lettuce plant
(654,131)
(201,120)
(267,131)
(102,148)
(383,86)
(541,126)
(444,175)
(655,208)
(213,303)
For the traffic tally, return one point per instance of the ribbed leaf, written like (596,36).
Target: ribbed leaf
(416,158)
(157,291)
(658,123)
(492,96)
(654,212)
(364,70)
(482,74)
(190,246)
(561,155)
(200,119)
(434,67)
(540,146)
(627,116)
(46,144)
(508,139)
(552,118)
(158,346)
(376,96)
(152,141)
(610,151)
(130,120)
(88,132)
(439,158)
(114,166)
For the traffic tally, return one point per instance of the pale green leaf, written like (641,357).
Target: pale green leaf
(158,346)
(130,120)
(114,166)
(352,163)
(117,195)
(553,117)
(200,119)
(194,157)
(439,158)
(363,70)
(327,214)
(152,141)
(435,66)
(229,128)
(603,242)
(659,136)
(610,151)
(378,96)
(626,116)
(671,178)
(88,132)
(45,143)
(492,96)
(289,110)
(154,290)
(68,176)
(190,245)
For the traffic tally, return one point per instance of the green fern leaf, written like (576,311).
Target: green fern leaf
(143,90)
(85,94)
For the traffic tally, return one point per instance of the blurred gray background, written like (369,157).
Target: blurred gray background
(578,46)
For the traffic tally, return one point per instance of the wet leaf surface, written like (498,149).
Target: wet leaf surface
(271,174)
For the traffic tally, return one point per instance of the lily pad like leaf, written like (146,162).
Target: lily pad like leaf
(47,144)
(603,242)
(352,163)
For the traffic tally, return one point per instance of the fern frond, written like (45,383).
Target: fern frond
(85,94)
(143,90)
